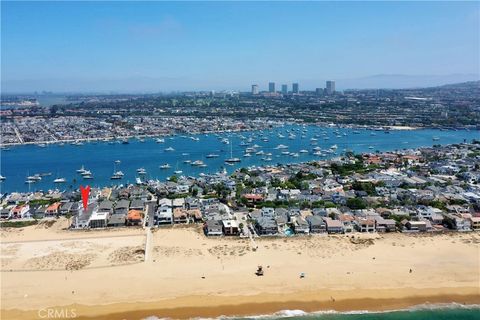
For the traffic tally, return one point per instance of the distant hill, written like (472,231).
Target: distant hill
(398,81)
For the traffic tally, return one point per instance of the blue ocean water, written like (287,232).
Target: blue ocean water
(451,312)
(99,157)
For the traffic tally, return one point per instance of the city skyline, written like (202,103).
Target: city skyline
(76,47)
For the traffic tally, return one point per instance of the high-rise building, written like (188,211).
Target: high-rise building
(295,88)
(271,87)
(319,91)
(284,89)
(330,87)
(254,88)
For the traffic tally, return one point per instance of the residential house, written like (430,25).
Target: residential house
(231,227)
(316,224)
(213,228)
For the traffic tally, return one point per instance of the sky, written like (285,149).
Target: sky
(167,46)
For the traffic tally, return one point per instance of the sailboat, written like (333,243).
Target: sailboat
(232,160)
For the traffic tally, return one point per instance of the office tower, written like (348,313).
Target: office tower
(271,87)
(254,89)
(319,91)
(295,88)
(330,87)
(284,89)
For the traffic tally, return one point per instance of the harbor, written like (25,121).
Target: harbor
(137,160)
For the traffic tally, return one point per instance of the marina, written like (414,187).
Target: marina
(72,165)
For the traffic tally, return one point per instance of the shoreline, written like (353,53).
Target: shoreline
(119,138)
(213,306)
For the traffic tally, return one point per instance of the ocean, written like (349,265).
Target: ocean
(452,311)
(99,157)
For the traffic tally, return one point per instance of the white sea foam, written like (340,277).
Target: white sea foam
(301,313)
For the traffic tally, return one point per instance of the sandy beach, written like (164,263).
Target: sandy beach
(102,274)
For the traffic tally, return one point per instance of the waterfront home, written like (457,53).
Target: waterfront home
(301,226)
(475,223)
(163,215)
(180,215)
(382,224)
(82,218)
(195,215)
(348,222)
(333,226)
(266,226)
(316,224)
(231,227)
(5,213)
(365,224)
(213,228)
(53,209)
(69,207)
(415,226)
(134,217)
(98,219)
(117,220)
(19,211)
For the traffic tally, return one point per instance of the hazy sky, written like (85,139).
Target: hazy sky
(123,46)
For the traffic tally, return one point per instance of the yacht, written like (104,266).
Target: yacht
(116,176)
(87,176)
(60,180)
(212,155)
(169,149)
(187,161)
(318,153)
(435,138)
(178,171)
(165,166)
(160,140)
(303,151)
(197,163)
(81,170)
(285,153)
(247,155)
(117,161)
(141,171)
(86,173)
(2,178)
(225,140)
(195,138)
(334,147)
(138,181)
(281,146)
(259,153)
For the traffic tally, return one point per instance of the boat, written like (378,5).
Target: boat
(232,159)
(303,151)
(197,163)
(187,161)
(169,149)
(125,141)
(87,176)
(117,175)
(60,180)
(435,138)
(117,161)
(212,155)
(2,178)
(184,154)
(138,181)
(81,170)
(141,171)
(195,138)
(286,153)
(178,171)
(334,147)
(42,145)
(160,140)
(318,153)
(165,166)
(86,173)
(34,178)
(225,140)
(247,155)
(281,146)
(259,153)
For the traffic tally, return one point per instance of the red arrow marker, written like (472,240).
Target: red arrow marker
(85,193)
